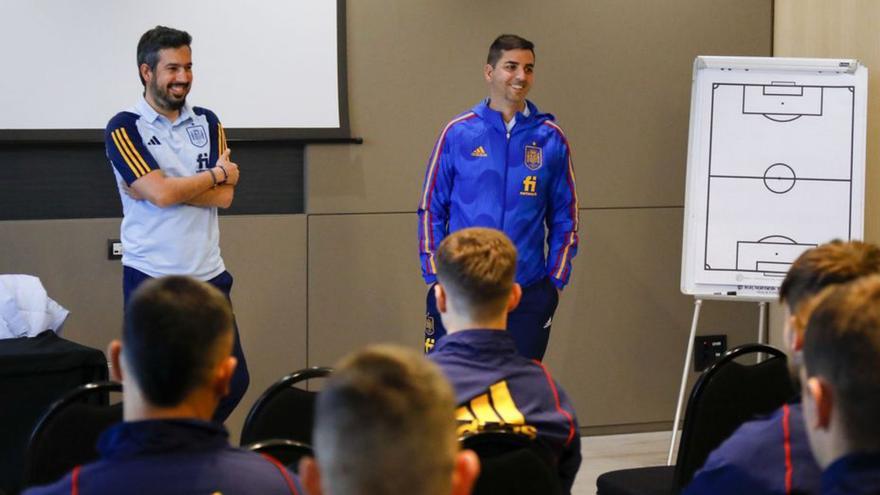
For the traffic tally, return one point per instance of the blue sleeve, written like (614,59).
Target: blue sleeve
(125,148)
(562,216)
(216,133)
(722,480)
(433,209)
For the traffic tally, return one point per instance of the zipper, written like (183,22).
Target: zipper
(504,184)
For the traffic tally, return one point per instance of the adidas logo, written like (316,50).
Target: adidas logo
(154,141)
(479,152)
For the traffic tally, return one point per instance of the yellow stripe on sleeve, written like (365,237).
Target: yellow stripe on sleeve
(125,155)
(134,151)
(221,133)
(504,404)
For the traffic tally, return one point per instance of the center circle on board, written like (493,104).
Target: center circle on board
(779,178)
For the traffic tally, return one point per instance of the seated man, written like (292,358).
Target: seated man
(175,365)
(384,425)
(493,383)
(840,381)
(770,455)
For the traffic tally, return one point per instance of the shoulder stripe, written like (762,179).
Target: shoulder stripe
(429,187)
(132,158)
(571,428)
(222,133)
(786,435)
(134,152)
(283,471)
(562,262)
(74,481)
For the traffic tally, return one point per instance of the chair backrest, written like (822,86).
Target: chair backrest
(725,396)
(284,411)
(513,464)
(67,434)
(287,452)
(34,373)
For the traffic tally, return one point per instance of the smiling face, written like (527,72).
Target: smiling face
(510,79)
(170,82)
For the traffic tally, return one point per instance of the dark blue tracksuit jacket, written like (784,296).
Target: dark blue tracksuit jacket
(495,385)
(173,457)
(769,455)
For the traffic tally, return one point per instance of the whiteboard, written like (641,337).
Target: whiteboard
(261,64)
(776,165)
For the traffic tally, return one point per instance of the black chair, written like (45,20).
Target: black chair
(287,452)
(67,434)
(34,373)
(513,464)
(725,396)
(284,411)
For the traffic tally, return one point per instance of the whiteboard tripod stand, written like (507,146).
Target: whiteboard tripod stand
(688,356)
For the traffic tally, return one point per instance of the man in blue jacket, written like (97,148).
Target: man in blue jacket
(771,455)
(175,365)
(494,385)
(840,382)
(505,165)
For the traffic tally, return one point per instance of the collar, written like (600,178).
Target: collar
(135,438)
(852,470)
(149,114)
(477,341)
(529,117)
(525,113)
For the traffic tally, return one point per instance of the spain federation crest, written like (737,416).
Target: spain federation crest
(198,136)
(534,157)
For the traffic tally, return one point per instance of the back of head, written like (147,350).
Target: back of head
(835,262)
(176,330)
(842,345)
(158,38)
(385,425)
(507,42)
(476,266)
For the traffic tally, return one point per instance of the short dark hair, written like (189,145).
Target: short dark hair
(383,408)
(172,335)
(477,266)
(835,262)
(507,42)
(156,39)
(842,345)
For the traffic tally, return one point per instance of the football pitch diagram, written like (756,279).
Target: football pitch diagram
(780,173)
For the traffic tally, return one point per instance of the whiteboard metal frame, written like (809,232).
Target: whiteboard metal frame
(749,291)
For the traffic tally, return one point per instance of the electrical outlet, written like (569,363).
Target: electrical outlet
(707,350)
(114,249)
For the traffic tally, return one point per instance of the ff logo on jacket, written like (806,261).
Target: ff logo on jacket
(493,409)
(530,186)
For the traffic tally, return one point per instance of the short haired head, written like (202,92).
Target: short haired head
(176,330)
(476,266)
(842,365)
(385,425)
(507,42)
(156,39)
(835,262)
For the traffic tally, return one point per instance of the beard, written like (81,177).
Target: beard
(165,99)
